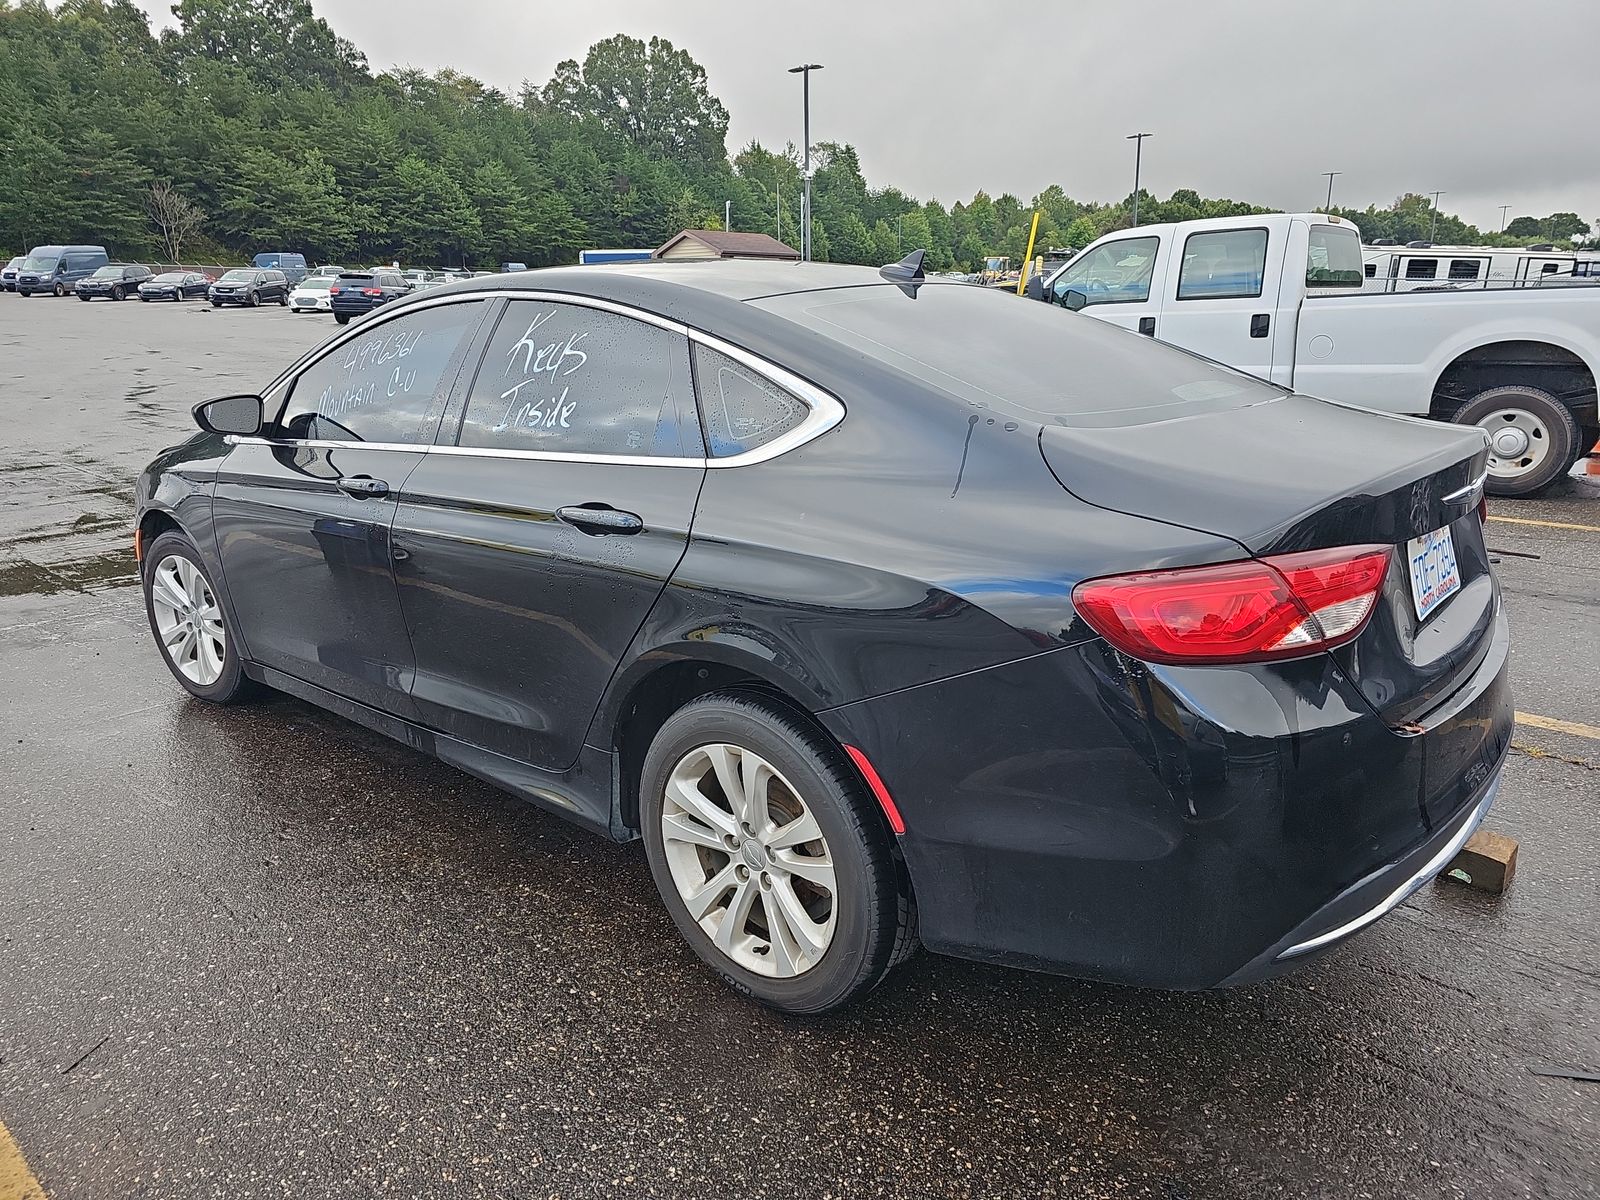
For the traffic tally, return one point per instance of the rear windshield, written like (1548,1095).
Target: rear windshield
(356,276)
(1334,257)
(1019,357)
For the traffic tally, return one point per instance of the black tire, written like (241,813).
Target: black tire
(342,318)
(82,297)
(232,685)
(252,299)
(60,290)
(1556,420)
(144,299)
(117,293)
(875,920)
(283,300)
(216,304)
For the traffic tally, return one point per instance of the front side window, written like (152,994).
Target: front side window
(1333,257)
(741,409)
(566,379)
(1229,262)
(386,384)
(1114,273)
(1422,268)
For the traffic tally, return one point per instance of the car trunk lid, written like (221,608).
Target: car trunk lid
(1292,473)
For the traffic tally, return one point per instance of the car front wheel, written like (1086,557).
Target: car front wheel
(770,855)
(60,290)
(117,293)
(187,620)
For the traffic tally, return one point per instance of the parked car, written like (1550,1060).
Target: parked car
(358,292)
(1089,655)
(117,281)
(327,271)
(293,266)
(417,278)
(1281,296)
(249,287)
(175,285)
(311,294)
(8,274)
(57,269)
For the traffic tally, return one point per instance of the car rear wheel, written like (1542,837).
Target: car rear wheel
(188,623)
(342,318)
(770,856)
(1533,437)
(283,301)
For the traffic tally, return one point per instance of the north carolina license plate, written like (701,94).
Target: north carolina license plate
(1435,577)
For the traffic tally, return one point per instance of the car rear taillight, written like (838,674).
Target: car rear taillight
(1483,509)
(333,291)
(372,291)
(1282,606)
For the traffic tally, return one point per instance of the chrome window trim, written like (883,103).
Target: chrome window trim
(826,409)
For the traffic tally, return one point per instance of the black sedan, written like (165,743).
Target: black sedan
(358,292)
(890,608)
(115,282)
(249,287)
(175,285)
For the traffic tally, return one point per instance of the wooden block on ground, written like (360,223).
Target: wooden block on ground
(1487,862)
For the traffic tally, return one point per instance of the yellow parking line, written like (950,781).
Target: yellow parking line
(1575,728)
(1547,524)
(16,1180)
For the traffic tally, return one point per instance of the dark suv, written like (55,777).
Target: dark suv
(250,287)
(358,292)
(115,282)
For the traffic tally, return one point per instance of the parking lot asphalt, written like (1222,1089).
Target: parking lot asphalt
(261,952)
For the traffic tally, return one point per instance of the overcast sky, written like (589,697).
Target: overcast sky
(1493,102)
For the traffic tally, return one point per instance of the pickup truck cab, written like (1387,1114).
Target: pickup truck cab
(1281,296)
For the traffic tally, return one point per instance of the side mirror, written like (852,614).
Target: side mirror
(239,415)
(1074,300)
(1035,288)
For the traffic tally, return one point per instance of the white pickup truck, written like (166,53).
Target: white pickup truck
(1281,297)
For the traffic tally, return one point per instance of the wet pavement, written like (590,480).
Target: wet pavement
(262,952)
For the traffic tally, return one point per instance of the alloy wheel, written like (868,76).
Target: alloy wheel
(1519,442)
(188,619)
(749,860)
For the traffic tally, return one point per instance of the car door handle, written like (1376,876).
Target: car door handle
(1147,326)
(600,519)
(1259,324)
(363,487)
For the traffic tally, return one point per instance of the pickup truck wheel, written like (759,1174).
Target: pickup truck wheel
(1532,437)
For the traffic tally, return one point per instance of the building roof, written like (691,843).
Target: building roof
(733,244)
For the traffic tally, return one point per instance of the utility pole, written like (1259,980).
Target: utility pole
(1503,208)
(1138,152)
(727,214)
(1433,222)
(1330,175)
(804,71)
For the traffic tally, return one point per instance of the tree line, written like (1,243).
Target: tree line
(252,125)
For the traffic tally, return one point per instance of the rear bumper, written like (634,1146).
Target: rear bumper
(1079,813)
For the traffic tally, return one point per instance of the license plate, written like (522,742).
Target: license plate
(1435,577)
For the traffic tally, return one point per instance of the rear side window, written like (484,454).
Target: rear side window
(741,409)
(386,384)
(1464,268)
(1422,268)
(1333,257)
(566,379)
(1229,262)
(1371,270)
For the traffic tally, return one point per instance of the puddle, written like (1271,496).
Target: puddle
(116,568)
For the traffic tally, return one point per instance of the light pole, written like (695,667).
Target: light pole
(1138,152)
(1433,221)
(1503,208)
(727,215)
(1330,175)
(804,71)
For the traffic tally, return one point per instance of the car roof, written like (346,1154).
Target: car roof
(732,279)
